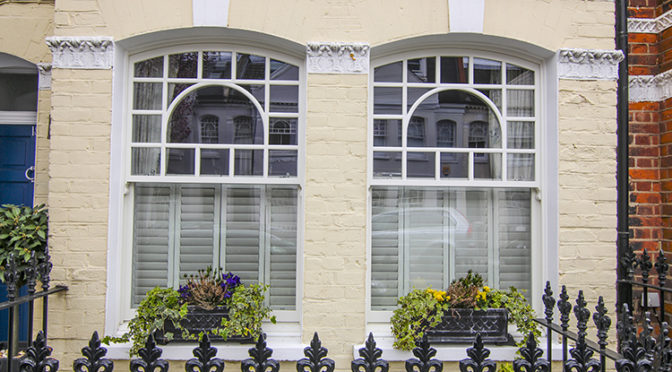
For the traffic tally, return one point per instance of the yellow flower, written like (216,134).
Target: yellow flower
(486,289)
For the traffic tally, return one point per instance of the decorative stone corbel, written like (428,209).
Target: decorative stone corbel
(588,64)
(81,52)
(337,58)
(44,77)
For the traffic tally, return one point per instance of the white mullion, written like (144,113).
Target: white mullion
(470,173)
(404,266)
(493,254)
(234,65)
(146,112)
(163,163)
(437,73)
(437,165)
(448,241)
(405,117)
(265,116)
(470,77)
(199,66)
(264,249)
(216,227)
(224,193)
(173,250)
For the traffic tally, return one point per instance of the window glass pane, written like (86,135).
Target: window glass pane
(454,69)
(460,108)
(413,94)
(517,75)
(388,73)
(495,96)
(520,167)
(420,164)
(145,161)
(387,132)
(520,135)
(515,240)
(487,71)
(520,103)
(284,98)
(249,66)
(174,90)
(487,165)
(196,228)
(215,161)
(387,100)
(386,164)
(386,222)
(421,70)
(18,92)
(147,128)
(471,212)
(184,65)
(283,227)
(228,105)
(151,236)
(454,165)
(416,132)
(423,237)
(283,71)
(147,96)
(180,161)
(149,68)
(217,65)
(257,90)
(242,240)
(282,163)
(249,162)
(283,131)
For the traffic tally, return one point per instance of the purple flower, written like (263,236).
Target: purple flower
(232,281)
(184,292)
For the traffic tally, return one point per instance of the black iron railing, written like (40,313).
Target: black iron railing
(37,270)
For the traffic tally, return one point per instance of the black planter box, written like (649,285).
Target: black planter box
(196,321)
(460,326)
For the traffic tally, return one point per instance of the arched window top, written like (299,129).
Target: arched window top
(195,107)
(477,108)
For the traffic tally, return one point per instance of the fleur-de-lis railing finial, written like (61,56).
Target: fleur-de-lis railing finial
(629,262)
(44,269)
(11,277)
(37,357)
(531,357)
(370,360)
(634,355)
(31,273)
(661,268)
(423,361)
(581,355)
(602,322)
(259,361)
(565,308)
(549,302)
(316,358)
(149,358)
(205,360)
(645,265)
(478,358)
(646,339)
(93,360)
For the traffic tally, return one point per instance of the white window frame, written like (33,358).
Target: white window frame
(118,308)
(541,264)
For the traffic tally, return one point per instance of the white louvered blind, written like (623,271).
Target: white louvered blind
(281,239)
(151,239)
(250,231)
(515,241)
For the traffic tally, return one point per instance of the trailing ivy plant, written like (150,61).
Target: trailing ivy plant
(23,230)
(422,309)
(159,306)
(247,311)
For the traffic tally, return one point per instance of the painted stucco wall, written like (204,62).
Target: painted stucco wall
(334,245)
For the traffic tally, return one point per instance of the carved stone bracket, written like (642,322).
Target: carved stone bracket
(650,88)
(650,25)
(338,58)
(81,52)
(44,79)
(588,64)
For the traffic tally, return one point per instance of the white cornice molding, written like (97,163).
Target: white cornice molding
(650,88)
(588,64)
(650,25)
(81,52)
(44,78)
(337,58)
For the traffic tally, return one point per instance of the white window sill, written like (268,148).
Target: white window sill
(453,352)
(284,349)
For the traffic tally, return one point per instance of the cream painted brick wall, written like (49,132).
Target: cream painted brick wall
(335,213)
(42,147)
(78,200)
(23,28)
(587,178)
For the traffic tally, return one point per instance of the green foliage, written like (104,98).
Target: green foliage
(247,311)
(422,309)
(23,230)
(158,306)
(505,367)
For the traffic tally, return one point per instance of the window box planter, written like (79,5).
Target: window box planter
(199,320)
(460,326)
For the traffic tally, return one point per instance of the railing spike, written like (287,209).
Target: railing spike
(149,358)
(661,268)
(260,358)
(531,357)
(370,360)
(424,361)
(549,302)
(93,360)
(204,360)
(37,357)
(477,360)
(316,358)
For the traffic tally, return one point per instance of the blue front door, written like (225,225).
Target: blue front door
(17,161)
